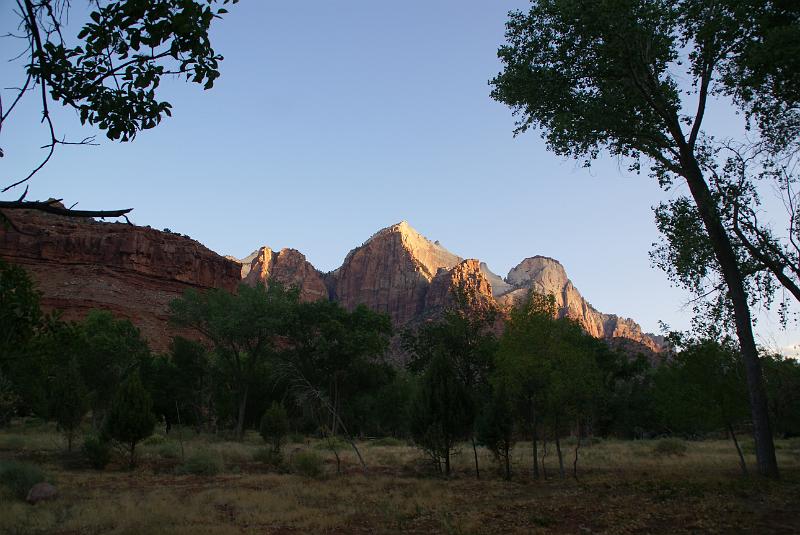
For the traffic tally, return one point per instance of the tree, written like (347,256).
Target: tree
(69,400)
(441,412)
(521,365)
(495,427)
(465,335)
(244,329)
(131,418)
(111,71)
(332,360)
(598,75)
(702,388)
(108,350)
(20,315)
(274,426)
(782,376)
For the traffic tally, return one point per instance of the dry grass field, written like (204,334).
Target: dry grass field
(623,487)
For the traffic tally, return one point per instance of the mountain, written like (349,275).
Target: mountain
(400,272)
(134,272)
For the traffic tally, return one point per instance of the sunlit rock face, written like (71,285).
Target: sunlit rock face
(547,276)
(400,272)
(288,267)
(134,272)
(391,273)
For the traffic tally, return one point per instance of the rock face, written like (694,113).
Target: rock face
(132,271)
(402,273)
(391,273)
(546,275)
(289,267)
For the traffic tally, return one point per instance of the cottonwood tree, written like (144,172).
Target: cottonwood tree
(244,329)
(331,357)
(606,75)
(702,388)
(441,412)
(109,72)
(465,336)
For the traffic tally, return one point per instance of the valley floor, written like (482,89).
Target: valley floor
(623,487)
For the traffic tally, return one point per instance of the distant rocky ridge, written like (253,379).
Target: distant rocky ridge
(407,276)
(135,272)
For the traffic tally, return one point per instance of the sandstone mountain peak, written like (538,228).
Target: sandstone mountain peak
(136,271)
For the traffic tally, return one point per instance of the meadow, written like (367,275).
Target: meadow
(188,483)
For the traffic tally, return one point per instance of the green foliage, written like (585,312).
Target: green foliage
(243,328)
(69,401)
(702,388)
(495,426)
(20,316)
(109,350)
(670,447)
(274,426)
(111,77)
(441,412)
(97,451)
(131,419)
(202,463)
(782,377)
(8,401)
(307,463)
(18,477)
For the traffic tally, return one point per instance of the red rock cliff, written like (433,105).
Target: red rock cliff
(132,271)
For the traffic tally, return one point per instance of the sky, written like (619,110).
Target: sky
(332,120)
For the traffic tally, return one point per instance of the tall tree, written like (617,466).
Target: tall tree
(244,328)
(464,335)
(702,389)
(598,74)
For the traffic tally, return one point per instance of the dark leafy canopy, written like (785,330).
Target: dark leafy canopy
(127,46)
(131,417)
(20,315)
(702,388)
(244,328)
(603,75)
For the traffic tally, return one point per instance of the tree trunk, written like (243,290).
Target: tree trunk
(475,454)
(726,258)
(544,454)
(242,408)
(560,458)
(738,449)
(507,448)
(534,439)
(575,461)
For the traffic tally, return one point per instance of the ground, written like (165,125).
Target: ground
(622,487)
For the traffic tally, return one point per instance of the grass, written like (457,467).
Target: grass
(622,488)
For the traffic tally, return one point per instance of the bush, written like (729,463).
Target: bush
(168,450)
(97,451)
(202,463)
(19,477)
(274,425)
(307,463)
(670,446)
(154,440)
(268,456)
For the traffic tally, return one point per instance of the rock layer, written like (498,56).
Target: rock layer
(134,272)
(290,268)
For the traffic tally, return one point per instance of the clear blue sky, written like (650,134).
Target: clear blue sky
(334,119)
